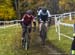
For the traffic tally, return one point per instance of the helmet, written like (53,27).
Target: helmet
(29,12)
(44,10)
(39,8)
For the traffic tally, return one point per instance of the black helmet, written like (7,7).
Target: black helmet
(29,12)
(44,10)
(39,8)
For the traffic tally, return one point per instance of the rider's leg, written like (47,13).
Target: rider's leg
(29,30)
(29,35)
(23,30)
(23,34)
(46,24)
(40,26)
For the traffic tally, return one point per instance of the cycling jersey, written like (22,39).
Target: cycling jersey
(43,16)
(27,19)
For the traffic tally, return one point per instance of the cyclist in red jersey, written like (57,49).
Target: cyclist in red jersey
(27,18)
(27,21)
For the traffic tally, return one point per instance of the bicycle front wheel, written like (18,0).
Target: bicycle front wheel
(43,34)
(27,42)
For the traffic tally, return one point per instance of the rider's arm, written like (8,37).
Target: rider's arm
(39,12)
(48,13)
(33,18)
(23,17)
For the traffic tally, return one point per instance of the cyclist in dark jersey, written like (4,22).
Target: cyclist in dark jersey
(43,15)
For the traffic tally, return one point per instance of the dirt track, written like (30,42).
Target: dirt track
(36,48)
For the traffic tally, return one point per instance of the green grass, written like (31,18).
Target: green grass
(66,30)
(64,44)
(66,20)
(10,41)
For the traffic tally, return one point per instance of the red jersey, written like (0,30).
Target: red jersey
(27,19)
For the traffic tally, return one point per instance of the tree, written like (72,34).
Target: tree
(53,6)
(6,10)
(67,5)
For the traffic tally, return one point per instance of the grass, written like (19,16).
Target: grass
(66,30)
(66,20)
(64,44)
(10,40)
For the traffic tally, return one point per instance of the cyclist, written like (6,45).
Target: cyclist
(43,15)
(26,21)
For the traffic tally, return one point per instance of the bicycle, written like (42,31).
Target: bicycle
(26,39)
(43,32)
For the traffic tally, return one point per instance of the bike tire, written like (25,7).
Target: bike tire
(43,33)
(27,42)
